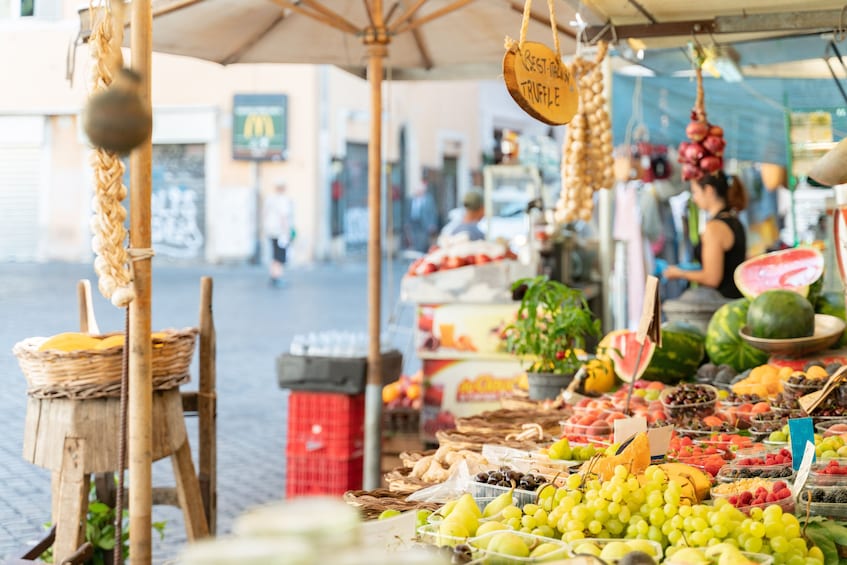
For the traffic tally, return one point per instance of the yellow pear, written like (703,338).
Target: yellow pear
(498,504)
(451,532)
(690,556)
(547,549)
(507,543)
(467,502)
(487,527)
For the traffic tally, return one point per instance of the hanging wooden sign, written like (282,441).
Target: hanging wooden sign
(540,83)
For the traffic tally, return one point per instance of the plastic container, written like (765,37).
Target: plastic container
(600,431)
(834,510)
(309,475)
(817,478)
(787,504)
(648,546)
(823,425)
(733,472)
(731,442)
(759,558)
(691,410)
(792,391)
(323,522)
(429,533)
(483,491)
(326,424)
(532,541)
(249,551)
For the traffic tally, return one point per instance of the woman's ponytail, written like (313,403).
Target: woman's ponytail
(736,195)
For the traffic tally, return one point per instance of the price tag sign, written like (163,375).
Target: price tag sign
(805,468)
(802,431)
(540,83)
(625,428)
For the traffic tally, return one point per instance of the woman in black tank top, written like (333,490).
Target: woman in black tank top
(723,243)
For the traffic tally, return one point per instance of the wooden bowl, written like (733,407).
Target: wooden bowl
(828,330)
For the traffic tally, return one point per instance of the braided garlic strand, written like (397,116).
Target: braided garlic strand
(112,263)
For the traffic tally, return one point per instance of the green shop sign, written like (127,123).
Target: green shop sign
(260,127)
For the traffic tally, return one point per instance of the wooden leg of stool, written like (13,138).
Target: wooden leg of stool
(55,482)
(73,500)
(188,491)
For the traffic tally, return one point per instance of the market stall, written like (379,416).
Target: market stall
(584,485)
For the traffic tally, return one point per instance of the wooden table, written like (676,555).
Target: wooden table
(75,438)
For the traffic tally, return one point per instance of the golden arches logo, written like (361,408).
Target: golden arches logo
(258,125)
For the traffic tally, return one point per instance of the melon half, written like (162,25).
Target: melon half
(796,269)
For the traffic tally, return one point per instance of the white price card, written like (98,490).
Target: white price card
(804,470)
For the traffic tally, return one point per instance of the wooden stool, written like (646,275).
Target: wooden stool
(75,438)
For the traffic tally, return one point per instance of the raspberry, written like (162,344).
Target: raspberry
(779,485)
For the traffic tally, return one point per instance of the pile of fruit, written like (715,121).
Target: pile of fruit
(689,401)
(405,392)
(747,493)
(77,341)
(505,477)
(459,254)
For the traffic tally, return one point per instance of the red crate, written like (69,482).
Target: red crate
(314,474)
(327,424)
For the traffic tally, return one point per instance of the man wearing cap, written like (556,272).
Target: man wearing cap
(474,211)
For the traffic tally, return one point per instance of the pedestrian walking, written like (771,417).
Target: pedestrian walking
(423,219)
(278,223)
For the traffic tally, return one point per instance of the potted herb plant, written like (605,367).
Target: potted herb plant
(553,323)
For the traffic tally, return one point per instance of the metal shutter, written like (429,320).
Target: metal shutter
(19,183)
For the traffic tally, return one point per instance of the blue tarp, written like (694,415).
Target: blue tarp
(752,112)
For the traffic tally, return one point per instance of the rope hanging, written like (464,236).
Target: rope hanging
(527,13)
(112,263)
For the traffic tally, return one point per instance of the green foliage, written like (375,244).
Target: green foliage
(553,321)
(100,531)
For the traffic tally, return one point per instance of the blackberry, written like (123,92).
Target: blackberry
(818,495)
(831,497)
(841,498)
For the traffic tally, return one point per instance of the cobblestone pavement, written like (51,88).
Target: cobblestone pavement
(254,323)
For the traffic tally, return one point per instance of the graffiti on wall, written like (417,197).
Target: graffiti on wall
(175,221)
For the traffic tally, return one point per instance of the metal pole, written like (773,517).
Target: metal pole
(140,380)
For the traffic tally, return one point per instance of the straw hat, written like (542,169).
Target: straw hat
(831,169)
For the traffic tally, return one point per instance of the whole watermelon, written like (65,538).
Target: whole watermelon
(781,314)
(832,303)
(723,342)
(683,348)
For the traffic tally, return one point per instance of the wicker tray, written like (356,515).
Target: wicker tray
(371,503)
(474,442)
(97,373)
(400,482)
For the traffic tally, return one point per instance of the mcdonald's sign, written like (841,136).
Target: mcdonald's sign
(260,127)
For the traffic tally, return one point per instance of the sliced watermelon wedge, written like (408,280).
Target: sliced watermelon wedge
(794,269)
(622,348)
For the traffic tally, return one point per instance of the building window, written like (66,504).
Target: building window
(27,8)
(17,8)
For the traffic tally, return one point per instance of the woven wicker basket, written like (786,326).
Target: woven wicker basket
(97,373)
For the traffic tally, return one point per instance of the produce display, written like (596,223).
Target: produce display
(724,345)
(587,162)
(780,314)
(799,269)
(459,253)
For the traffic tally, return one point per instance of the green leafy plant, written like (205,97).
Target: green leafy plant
(100,531)
(552,323)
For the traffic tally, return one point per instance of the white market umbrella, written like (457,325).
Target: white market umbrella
(417,39)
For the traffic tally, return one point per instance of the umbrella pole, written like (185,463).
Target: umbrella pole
(373,390)
(140,383)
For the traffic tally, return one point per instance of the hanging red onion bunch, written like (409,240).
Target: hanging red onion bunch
(702,154)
